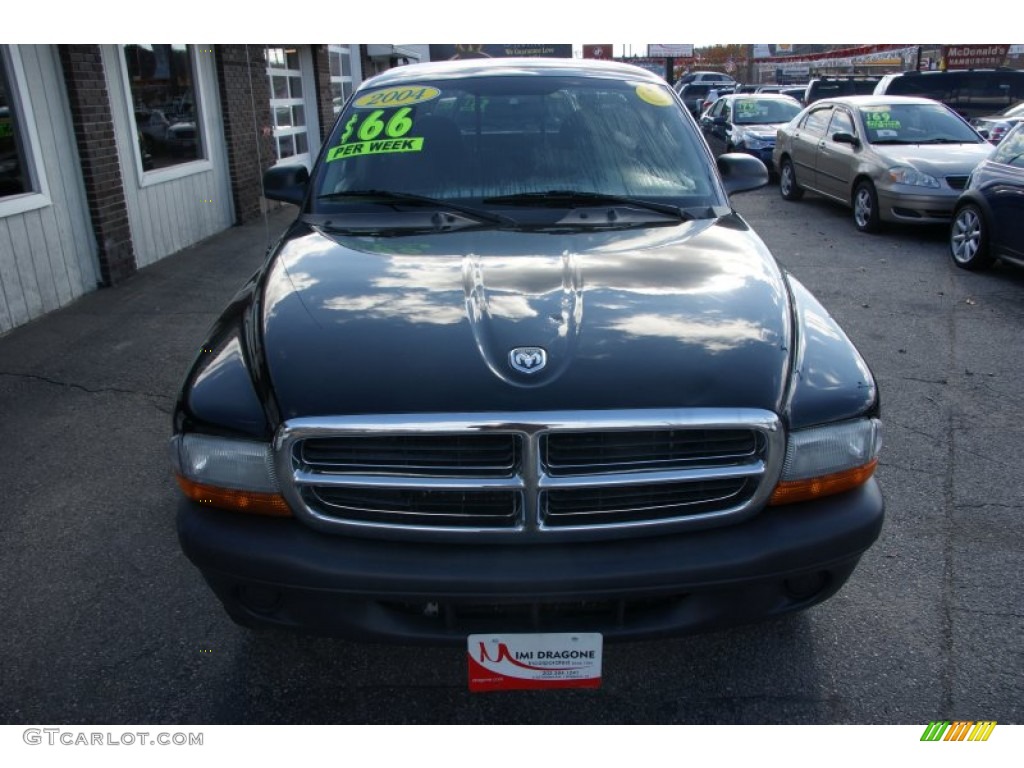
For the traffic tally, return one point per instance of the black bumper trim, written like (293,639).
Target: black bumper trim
(339,585)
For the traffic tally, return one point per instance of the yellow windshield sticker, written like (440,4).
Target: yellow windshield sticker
(397,97)
(747,107)
(654,94)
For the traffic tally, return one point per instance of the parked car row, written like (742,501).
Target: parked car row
(905,160)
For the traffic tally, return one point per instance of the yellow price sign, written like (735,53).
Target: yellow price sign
(397,97)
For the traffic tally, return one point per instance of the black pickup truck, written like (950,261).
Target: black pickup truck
(518,366)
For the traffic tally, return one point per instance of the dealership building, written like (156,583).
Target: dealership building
(113,157)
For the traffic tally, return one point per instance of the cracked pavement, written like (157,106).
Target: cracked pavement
(107,622)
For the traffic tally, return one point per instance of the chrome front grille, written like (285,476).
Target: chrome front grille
(529,476)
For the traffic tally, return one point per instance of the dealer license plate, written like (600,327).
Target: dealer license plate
(534,661)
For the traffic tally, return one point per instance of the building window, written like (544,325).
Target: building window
(162,87)
(287,104)
(22,179)
(15,178)
(342,83)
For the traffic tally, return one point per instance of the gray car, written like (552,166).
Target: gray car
(890,158)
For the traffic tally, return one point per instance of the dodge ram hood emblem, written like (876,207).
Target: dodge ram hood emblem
(528,359)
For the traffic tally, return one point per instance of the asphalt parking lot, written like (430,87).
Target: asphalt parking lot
(107,622)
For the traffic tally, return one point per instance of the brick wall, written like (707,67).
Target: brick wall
(243,83)
(101,169)
(324,99)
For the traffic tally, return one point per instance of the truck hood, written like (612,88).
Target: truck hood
(689,315)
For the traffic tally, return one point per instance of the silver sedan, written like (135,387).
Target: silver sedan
(890,158)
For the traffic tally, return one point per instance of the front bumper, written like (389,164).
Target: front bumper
(273,572)
(933,207)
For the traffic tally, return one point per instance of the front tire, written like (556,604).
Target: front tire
(787,181)
(968,239)
(865,208)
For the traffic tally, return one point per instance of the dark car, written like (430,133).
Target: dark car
(695,94)
(995,127)
(747,123)
(794,91)
(987,222)
(832,87)
(519,367)
(970,92)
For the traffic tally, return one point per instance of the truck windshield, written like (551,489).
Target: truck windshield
(494,137)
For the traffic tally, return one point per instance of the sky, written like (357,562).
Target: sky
(448,21)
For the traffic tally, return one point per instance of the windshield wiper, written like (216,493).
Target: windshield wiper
(943,140)
(571,198)
(389,197)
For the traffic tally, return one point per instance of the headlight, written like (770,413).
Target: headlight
(822,461)
(228,473)
(904,174)
(756,142)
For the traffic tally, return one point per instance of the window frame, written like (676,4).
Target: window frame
(181,170)
(805,123)
(343,80)
(842,113)
(23,117)
(310,130)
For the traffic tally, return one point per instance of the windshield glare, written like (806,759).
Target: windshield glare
(486,137)
(915,123)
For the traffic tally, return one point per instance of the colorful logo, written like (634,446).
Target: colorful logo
(959,730)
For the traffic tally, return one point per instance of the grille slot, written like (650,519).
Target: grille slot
(641,503)
(590,453)
(416,455)
(957,182)
(529,476)
(483,509)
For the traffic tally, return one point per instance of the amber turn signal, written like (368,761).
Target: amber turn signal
(253,503)
(791,491)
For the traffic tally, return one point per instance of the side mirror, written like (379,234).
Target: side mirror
(741,173)
(286,183)
(842,137)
